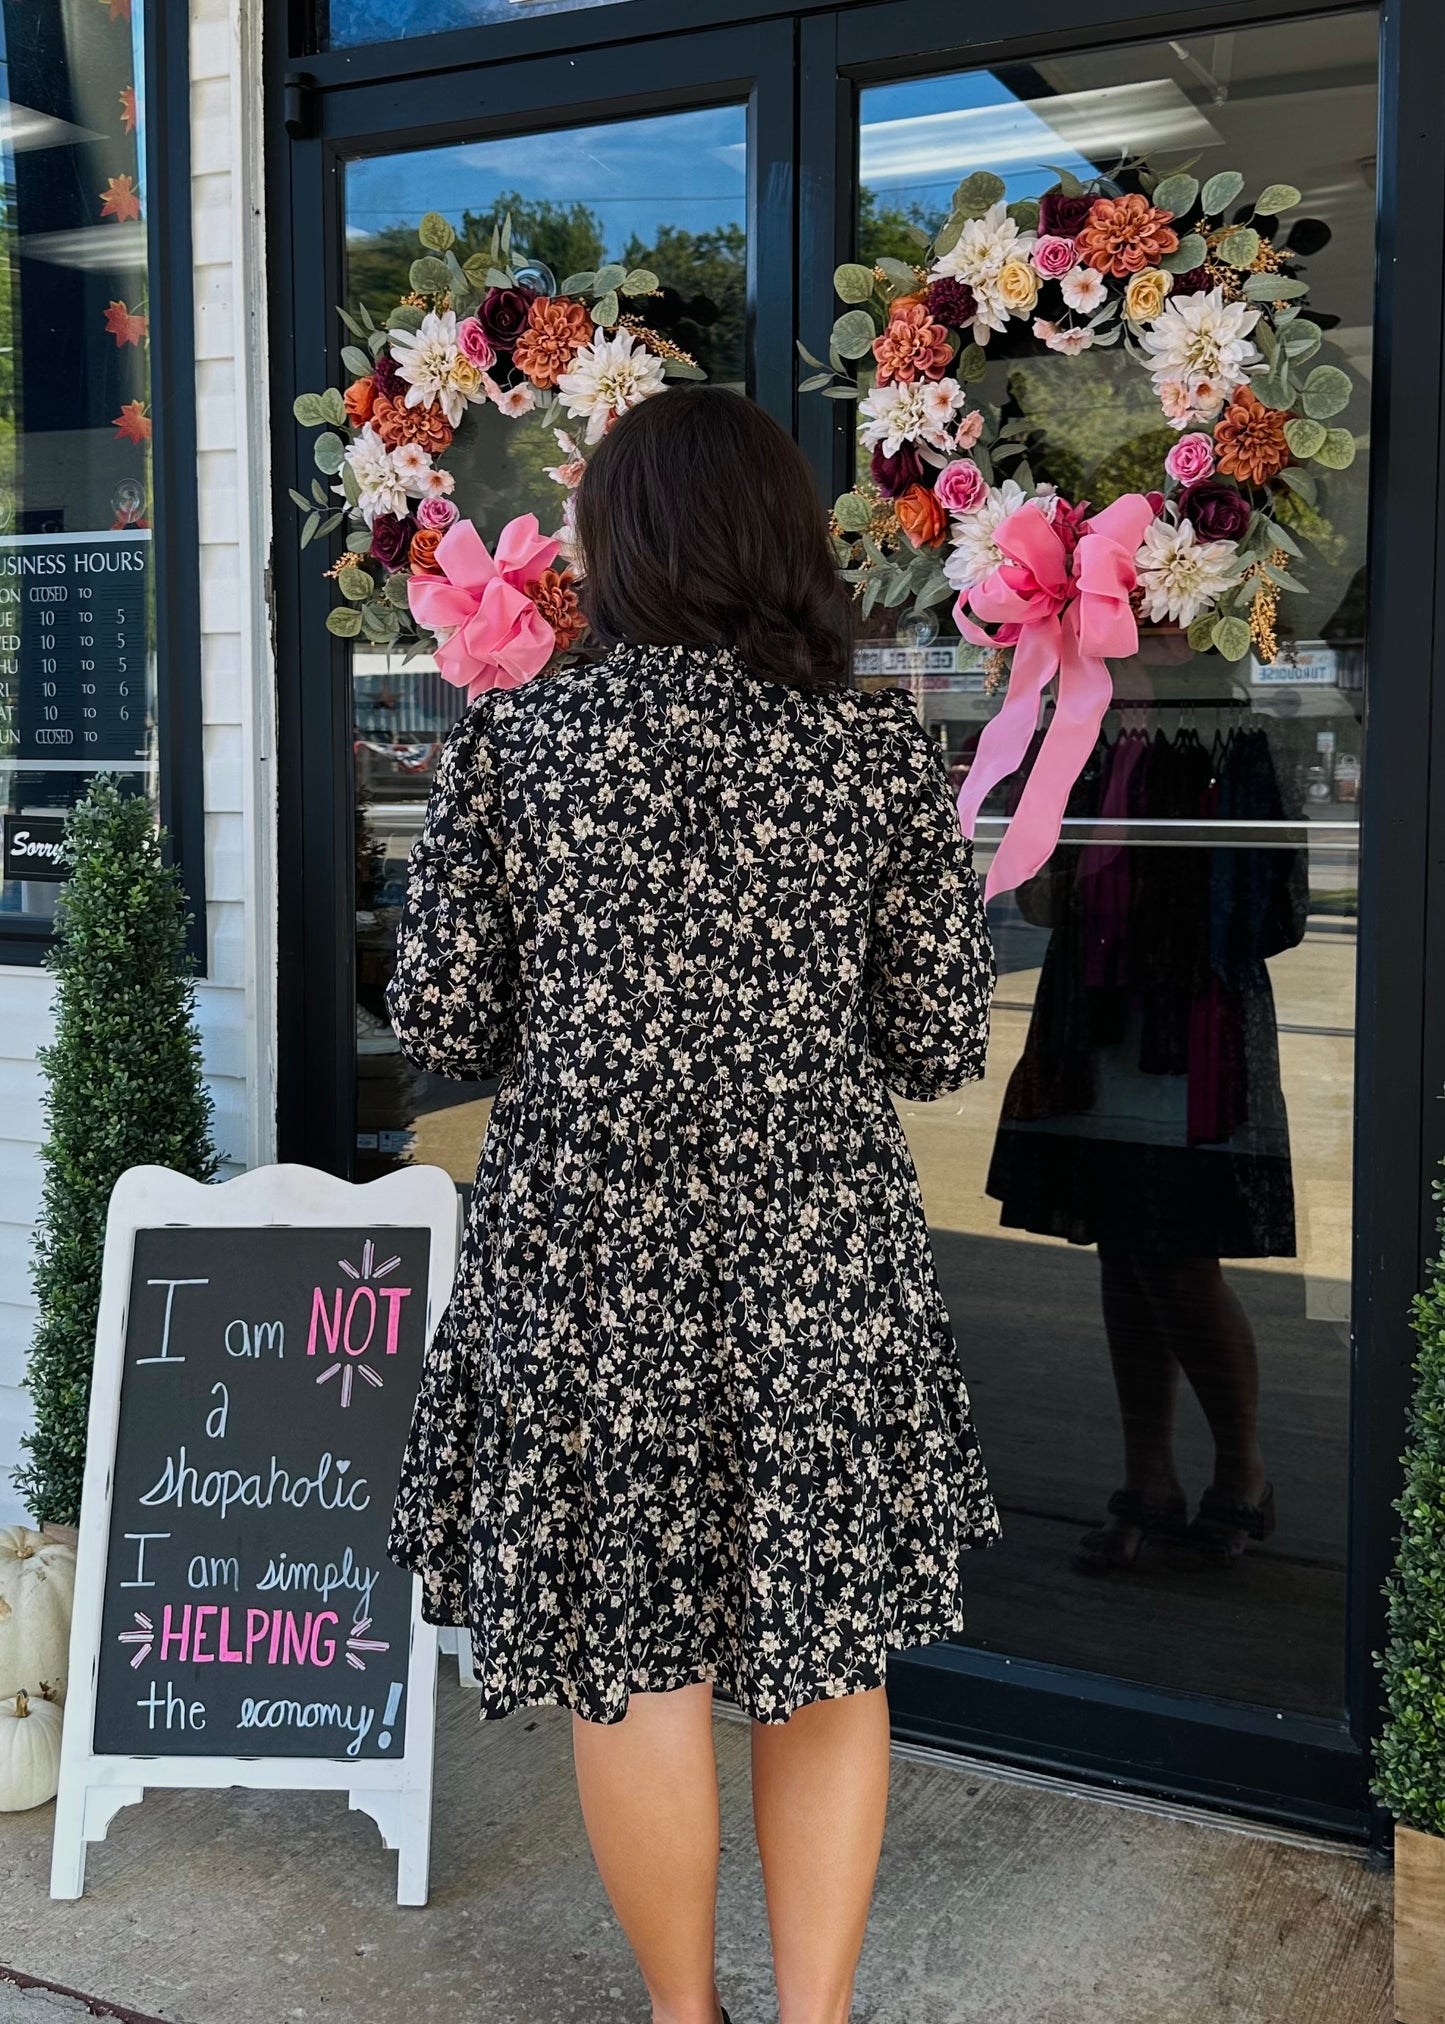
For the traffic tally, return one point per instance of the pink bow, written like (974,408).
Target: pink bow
(492,635)
(1056,622)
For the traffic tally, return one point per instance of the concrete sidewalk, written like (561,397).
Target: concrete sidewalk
(999,1900)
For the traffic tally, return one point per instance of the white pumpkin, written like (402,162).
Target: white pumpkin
(37,1591)
(29,1751)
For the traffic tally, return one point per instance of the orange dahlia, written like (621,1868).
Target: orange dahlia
(557,329)
(1124,235)
(556,600)
(912,347)
(1249,441)
(396,424)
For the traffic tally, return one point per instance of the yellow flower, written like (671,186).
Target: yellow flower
(1018,287)
(1144,297)
(466,377)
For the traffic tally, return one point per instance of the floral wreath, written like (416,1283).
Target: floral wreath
(473,330)
(1203,295)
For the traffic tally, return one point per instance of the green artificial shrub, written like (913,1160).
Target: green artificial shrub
(124,1090)
(1410,1757)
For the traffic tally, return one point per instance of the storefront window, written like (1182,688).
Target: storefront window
(667,193)
(1142,1218)
(76,661)
(353,21)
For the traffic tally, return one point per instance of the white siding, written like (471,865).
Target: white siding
(235,999)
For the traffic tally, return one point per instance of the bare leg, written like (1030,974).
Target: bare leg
(648,1786)
(820,1793)
(1209,1332)
(1146,1378)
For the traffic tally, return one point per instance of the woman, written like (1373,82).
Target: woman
(694,1418)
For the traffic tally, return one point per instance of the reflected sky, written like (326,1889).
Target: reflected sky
(684,169)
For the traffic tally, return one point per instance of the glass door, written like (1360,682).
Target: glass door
(675,158)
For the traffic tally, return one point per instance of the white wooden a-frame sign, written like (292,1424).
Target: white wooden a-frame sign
(396,1792)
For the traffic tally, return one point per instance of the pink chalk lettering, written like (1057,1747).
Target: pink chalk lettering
(258,1622)
(228,1655)
(199,1657)
(180,1638)
(356,1348)
(393,1296)
(330,1323)
(317,1659)
(293,1640)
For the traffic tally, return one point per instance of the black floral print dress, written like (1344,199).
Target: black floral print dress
(694,1411)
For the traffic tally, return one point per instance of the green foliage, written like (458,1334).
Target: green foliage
(1410,1755)
(125,1089)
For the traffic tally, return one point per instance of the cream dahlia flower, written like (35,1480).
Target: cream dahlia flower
(434,370)
(1202,338)
(606,378)
(985,247)
(1181,576)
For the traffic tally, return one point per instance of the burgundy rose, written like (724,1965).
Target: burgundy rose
(1061,216)
(388,377)
(390,539)
(503,315)
(893,475)
(950,302)
(1195,282)
(1216,511)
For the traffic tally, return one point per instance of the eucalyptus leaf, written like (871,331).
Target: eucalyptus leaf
(308,410)
(1298,335)
(1069,183)
(870,595)
(298,498)
(356,585)
(1201,632)
(1276,198)
(1265,338)
(1218,194)
(581,283)
(506,239)
(1273,388)
(641,281)
(1025,214)
(1176,194)
(609,277)
(1281,578)
(396,588)
(896,592)
(1273,287)
(900,274)
(815,382)
(366,316)
(680,369)
(852,282)
(435,233)
(972,363)
(1240,247)
(475,269)
(836,393)
(406,316)
(356,329)
(377,341)
(344,622)
(852,512)
(359,543)
(313,521)
(318,491)
(1280,537)
(1191,252)
(1304,436)
(501,277)
(853,333)
(429,276)
(937,592)
(329,452)
(917,235)
(1337,451)
(330,524)
(983,460)
(978,193)
(1299,482)
(806,356)
(1327,392)
(949,234)
(356,361)
(351,486)
(606,309)
(1230,635)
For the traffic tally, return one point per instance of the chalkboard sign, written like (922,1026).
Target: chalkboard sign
(235,1608)
(74,646)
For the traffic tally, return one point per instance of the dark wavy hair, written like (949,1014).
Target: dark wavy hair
(699,525)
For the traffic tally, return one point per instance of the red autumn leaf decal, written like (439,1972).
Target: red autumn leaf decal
(126,326)
(119,9)
(120,199)
(127,108)
(133,423)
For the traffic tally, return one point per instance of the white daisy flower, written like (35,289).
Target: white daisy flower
(1082,289)
(909,411)
(434,370)
(607,377)
(1202,338)
(983,247)
(1181,576)
(380,486)
(975,554)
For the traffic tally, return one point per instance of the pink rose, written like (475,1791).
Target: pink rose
(437,513)
(1054,257)
(960,485)
(473,343)
(1191,459)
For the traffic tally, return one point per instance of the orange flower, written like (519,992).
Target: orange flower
(912,347)
(1249,439)
(556,600)
(396,424)
(1124,235)
(921,517)
(557,329)
(422,554)
(359,399)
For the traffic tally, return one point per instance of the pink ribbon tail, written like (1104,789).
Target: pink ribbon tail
(1004,740)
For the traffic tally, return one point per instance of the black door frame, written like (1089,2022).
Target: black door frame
(1256,1760)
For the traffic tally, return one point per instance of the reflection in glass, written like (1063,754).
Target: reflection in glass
(666,193)
(354,21)
(1170,1079)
